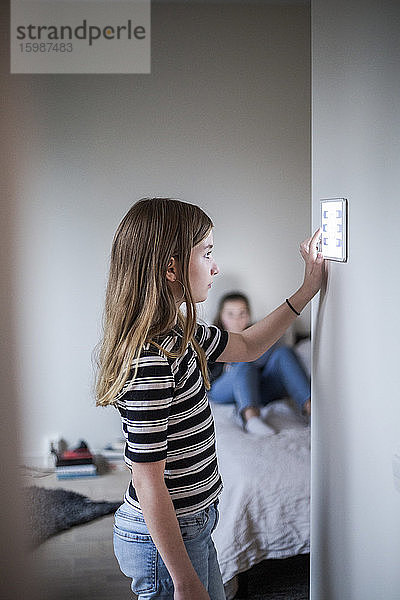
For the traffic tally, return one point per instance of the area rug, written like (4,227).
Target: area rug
(52,510)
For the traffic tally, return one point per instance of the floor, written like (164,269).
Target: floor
(279,579)
(79,564)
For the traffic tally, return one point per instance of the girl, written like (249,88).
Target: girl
(276,374)
(153,369)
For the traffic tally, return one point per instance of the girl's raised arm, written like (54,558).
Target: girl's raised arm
(254,341)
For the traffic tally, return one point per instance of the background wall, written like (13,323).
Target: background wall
(356,376)
(222,121)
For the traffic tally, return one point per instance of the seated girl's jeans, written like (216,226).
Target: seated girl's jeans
(140,560)
(276,374)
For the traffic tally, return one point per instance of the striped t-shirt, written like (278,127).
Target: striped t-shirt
(166,415)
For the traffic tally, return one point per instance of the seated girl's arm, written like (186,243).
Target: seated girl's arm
(252,342)
(162,523)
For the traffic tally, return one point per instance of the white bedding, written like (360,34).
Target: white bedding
(264,507)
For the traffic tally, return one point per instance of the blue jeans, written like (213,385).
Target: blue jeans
(140,560)
(276,374)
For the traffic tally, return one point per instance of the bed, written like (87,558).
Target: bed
(264,507)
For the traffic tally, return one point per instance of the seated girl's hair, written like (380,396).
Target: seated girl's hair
(139,304)
(227,297)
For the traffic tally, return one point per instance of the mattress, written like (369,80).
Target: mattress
(264,506)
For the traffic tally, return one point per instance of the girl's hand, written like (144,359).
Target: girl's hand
(314,264)
(192,591)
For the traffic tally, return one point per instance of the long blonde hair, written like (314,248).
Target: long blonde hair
(139,304)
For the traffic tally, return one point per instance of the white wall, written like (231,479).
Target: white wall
(222,121)
(16,581)
(356,375)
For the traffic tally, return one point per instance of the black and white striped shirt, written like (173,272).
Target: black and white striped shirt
(166,415)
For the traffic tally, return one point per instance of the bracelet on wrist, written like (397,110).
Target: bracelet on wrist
(292,307)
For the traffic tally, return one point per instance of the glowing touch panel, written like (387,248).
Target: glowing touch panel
(334,229)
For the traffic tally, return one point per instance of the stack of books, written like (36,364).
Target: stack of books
(114,454)
(76,463)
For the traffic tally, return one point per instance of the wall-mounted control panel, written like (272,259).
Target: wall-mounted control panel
(334,244)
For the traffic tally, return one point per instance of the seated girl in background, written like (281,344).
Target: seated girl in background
(251,385)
